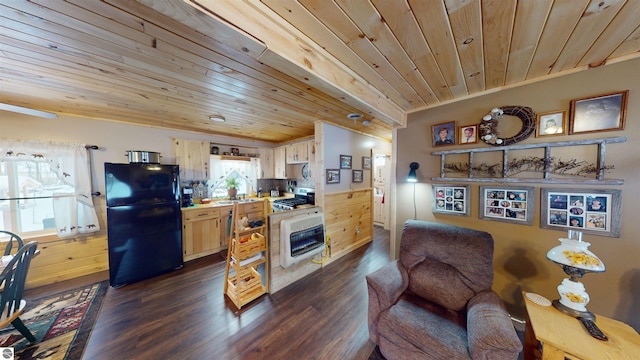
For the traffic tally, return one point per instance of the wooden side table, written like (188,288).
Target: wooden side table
(564,336)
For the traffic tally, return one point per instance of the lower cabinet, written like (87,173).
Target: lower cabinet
(201,230)
(225,226)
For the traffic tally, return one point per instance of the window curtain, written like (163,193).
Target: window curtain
(221,169)
(74,213)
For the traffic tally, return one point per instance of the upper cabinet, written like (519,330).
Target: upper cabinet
(267,165)
(193,158)
(299,152)
(279,161)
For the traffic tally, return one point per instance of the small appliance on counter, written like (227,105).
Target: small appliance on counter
(275,193)
(187,197)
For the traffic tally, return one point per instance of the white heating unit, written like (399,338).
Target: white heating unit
(301,237)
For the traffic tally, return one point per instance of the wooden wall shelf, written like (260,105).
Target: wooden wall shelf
(546,179)
(239,158)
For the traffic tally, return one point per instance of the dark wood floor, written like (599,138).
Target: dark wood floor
(184,314)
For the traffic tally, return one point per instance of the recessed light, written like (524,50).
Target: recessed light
(217,118)
(354,116)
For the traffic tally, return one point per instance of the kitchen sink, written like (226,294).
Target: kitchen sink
(229,202)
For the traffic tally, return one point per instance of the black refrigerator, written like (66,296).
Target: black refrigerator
(144,222)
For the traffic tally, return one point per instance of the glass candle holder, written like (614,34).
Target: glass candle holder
(575,235)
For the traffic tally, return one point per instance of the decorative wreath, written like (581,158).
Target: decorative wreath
(489,125)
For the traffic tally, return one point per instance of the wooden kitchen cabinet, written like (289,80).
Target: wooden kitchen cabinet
(267,164)
(193,158)
(225,226)
(280,162)
(298,153)
(201,231)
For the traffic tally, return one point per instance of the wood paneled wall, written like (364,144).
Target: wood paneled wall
(64,259)
(348,217)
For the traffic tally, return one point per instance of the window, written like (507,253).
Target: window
(219,189)
(26,195)
(243,171)
(45,185)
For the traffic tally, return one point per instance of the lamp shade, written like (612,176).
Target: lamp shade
(576,254)
(412,173)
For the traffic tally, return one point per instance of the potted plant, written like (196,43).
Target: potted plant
(232,187)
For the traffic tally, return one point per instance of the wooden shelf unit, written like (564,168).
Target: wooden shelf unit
(504,178)
(247,270)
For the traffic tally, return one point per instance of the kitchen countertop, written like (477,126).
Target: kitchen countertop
(224,202)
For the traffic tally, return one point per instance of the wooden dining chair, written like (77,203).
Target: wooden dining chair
(12,237)
(12,281)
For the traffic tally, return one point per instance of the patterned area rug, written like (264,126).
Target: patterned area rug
(61,324)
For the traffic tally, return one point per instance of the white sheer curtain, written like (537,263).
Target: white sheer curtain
(74,213)
(221,169)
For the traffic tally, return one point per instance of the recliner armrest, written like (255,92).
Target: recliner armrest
(384,286)
(490,331)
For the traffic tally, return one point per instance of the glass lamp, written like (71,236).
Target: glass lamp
(576,260)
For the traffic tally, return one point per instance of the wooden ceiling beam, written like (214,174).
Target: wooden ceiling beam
(293,53)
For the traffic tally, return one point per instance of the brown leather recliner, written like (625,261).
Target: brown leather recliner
(436,301)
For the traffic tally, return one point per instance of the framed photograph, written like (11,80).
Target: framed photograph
(235,151)
(596,212)
(468,134)
(444,134)
(551,123)
(345,161)
(333,176)
(450,199)
(512,204)
(598,113)
(357,176)
(366,163)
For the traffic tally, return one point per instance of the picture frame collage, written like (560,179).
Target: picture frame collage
(605,112)
(510,204)
(451,199)
(590,211)
(332,176)
(596,212)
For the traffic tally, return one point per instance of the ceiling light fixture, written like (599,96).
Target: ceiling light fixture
(217,118)
(354,116)
(27,111)
(366,122)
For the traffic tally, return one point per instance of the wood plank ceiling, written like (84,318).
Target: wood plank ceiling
(273,67)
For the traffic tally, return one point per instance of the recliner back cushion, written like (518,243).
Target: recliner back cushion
(447,264)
